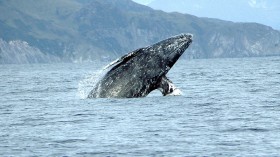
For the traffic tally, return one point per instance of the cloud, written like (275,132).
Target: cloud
(259,4)
(145,2)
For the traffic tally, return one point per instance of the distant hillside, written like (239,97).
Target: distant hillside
(91,30)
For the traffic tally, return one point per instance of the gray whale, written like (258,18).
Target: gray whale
(143,70)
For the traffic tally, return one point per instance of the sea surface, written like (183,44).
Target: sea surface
(229,107)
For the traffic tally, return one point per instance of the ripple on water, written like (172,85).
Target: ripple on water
(230,107)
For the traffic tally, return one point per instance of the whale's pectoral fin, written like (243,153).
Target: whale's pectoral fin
(167,87)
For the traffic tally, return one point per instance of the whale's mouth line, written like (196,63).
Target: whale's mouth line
(180,48)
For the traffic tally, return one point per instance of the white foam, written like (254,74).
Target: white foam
(89,82)
(176,92)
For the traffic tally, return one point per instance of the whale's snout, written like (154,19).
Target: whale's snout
(186,36)
(178,45)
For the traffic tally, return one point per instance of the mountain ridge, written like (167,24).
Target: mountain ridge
(83,30)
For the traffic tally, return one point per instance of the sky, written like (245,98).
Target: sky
(145,2)
(260,11)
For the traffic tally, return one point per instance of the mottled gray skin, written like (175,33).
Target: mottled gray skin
(143,70)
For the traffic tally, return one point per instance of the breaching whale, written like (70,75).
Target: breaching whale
(143,70)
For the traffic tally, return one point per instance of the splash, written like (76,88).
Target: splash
(176,92)
(89,82)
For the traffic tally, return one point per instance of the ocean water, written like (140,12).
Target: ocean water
(229,107)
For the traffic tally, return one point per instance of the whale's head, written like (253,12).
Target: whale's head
(162,55)
(168,51)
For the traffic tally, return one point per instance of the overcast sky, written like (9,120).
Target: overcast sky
(261,11)
(145,2)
